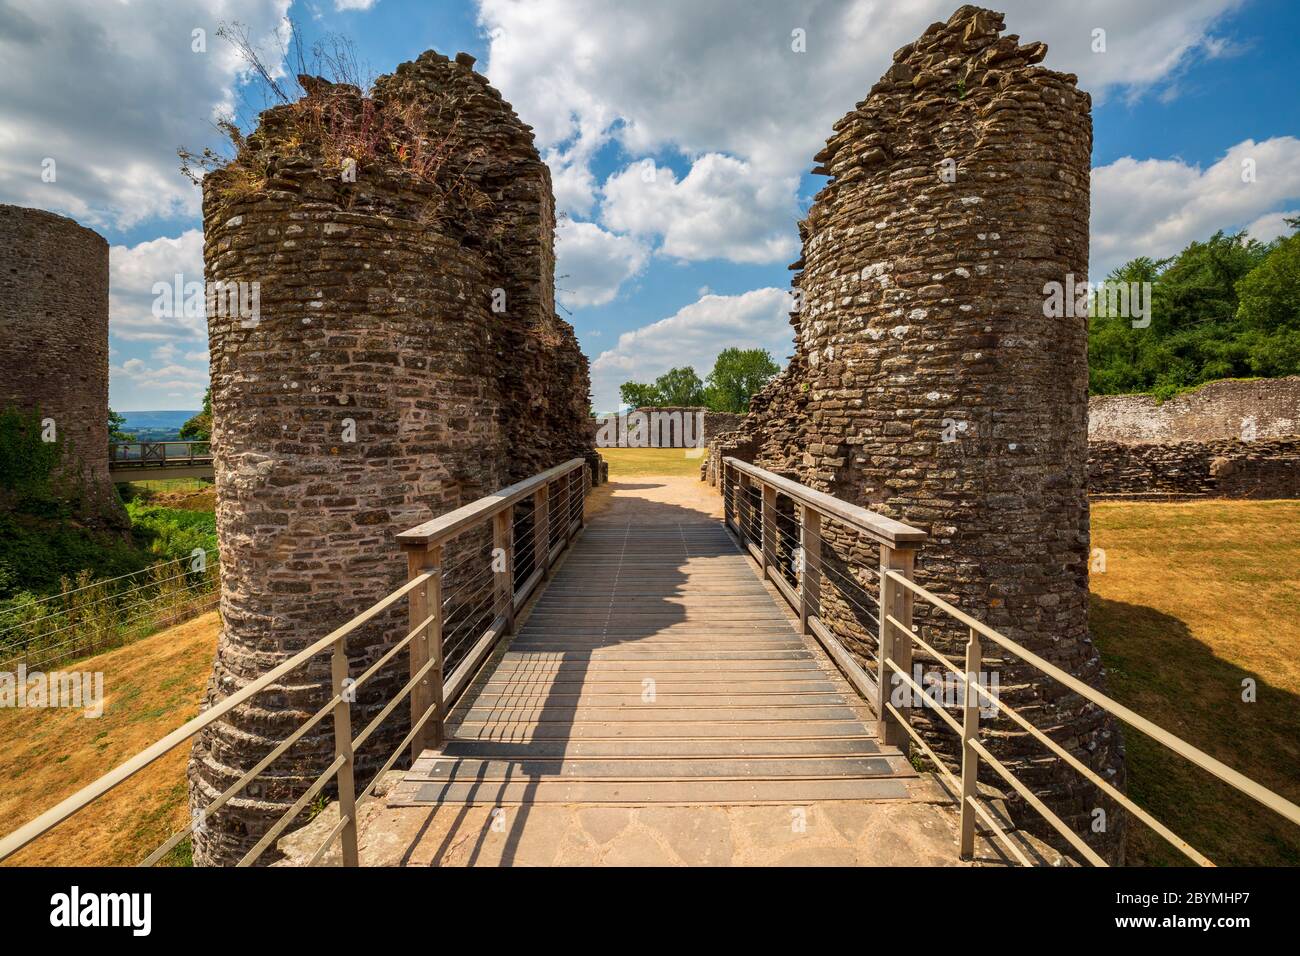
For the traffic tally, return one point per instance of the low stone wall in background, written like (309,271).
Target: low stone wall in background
(1246,410)
(1196,469)
(715,424)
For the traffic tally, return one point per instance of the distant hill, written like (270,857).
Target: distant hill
(163,419)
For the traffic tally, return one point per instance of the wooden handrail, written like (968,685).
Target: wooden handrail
(423,546)
(876,526)
(898,591)
(437,530)
(1200,758)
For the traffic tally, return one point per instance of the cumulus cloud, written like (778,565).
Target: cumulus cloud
(108,94)
(137,383)
(720,84)
(696,334)
(723,208)
(133,272)
(1273,225)
(1155,207)
(591,263)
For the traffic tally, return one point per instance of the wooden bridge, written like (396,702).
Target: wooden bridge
(156,460)
(661,659)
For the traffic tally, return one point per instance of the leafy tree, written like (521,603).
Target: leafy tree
(199,428)
(1198,331)
(1269,311)
(639,395)
(116,424)
(737,375)
(680,386)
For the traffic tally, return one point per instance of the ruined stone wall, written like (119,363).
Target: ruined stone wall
(958,188)
(715,424)
(54,343)
(1194,469)
(407,359)
(1230,409)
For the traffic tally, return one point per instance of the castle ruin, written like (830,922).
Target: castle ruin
(406,359)
(929,385)
(54,346)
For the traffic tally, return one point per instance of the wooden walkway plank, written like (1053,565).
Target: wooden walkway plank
(655,667)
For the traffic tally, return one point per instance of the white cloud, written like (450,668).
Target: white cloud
(133,271)
(694,335)
(1273,225)
(354,4)
(591,263)
(723,208)
(137,384)
(1155,207)
(109,91)
(722,77)
(719,84)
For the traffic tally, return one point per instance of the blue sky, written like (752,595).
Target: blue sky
(679,135)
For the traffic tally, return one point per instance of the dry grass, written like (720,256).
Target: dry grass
(1195,598)
(642,462)
(150,688)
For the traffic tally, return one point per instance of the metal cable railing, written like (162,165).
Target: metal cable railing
(750,510)
(430,690)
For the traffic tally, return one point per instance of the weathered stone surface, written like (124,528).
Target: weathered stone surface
(54,345)
(407,360)
(1225,468)
(1230,409)
(927,384)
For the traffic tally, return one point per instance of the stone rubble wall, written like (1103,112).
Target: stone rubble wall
(920,316)
(1229,409)
(54,344)
(1225,468)
(380,322)
(715,423)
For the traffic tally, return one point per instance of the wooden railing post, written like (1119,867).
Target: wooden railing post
(970,729)
(742,507)
(896,601)
(343,748)
(542,529)
(728,518)
(767,527)
(810,581)
(503,550)
(425,602)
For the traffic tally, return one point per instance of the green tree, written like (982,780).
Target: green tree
(199,428)
(639,395)
(1269,311)
(116,424)
(680,386)
(737,375)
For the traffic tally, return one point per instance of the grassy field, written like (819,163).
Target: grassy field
(641,462)
(1197,597)
(150,688)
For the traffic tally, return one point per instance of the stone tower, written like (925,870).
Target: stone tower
(929,384)
(54,344)
(405,358)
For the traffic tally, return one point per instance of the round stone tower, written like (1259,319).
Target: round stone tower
(54,344)
(940,374)
(388,350)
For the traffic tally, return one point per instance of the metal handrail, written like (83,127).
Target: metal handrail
(429,704)
(1237,780)
(898,546)
(158,452)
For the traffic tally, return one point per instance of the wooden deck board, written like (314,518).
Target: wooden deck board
(656,668)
